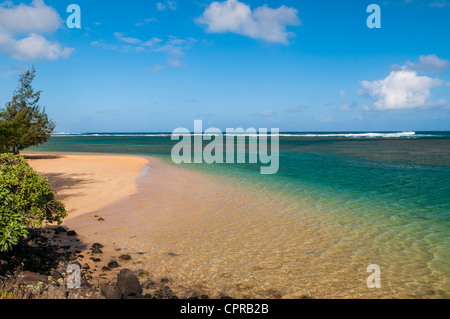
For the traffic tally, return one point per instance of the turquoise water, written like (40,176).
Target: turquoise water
(389,191)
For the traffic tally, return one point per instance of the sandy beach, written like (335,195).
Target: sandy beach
(86,183)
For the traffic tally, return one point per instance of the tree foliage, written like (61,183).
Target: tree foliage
(26,200)
(22,121)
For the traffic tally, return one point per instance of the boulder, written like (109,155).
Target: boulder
(111,291)
(130,293)
(127,280)
(113,264)
(28,276)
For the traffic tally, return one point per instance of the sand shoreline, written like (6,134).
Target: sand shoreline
(88,182)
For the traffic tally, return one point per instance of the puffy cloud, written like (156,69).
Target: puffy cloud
(22,28)
(37,18)
(402,89)
(262,23)
(33,47)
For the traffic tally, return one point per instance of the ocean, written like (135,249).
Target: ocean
(340,201)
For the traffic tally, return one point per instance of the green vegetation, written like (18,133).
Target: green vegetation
(22,121)
(26,200)
(6,295)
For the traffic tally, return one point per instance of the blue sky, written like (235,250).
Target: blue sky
(153,66)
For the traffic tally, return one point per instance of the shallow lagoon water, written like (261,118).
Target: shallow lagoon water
(338,203)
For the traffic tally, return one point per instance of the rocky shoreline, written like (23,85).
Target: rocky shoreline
(37,268)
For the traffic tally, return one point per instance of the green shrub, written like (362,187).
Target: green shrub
(26,200)
(6,295)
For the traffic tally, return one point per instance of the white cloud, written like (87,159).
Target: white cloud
(120,36)
(262,23)
(22,28)
(174,47)
(402,89)
(145,22)
(33,47)
(428,64)
(151,42)
(37,18)
(171,5)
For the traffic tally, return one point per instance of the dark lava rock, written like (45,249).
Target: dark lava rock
(96,260)
(71,233)
(56,275)
(130,293)
(127,280)
(100,219)
(149,284)
(111,292)
(164,280)
(28,276)
(172,254)
(97,245)
(164,293)
(124,257)
(105,268)
(97,251)
(113,264)
(59,230)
